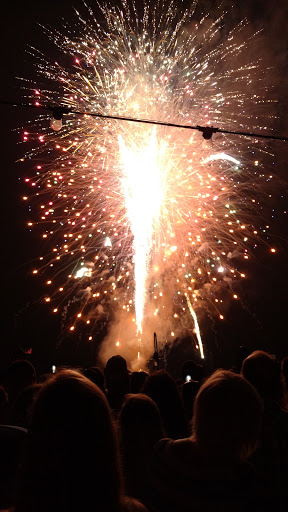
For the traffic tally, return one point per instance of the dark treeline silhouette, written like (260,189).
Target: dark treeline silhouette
(132,442)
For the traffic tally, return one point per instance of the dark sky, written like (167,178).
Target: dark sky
(265,300)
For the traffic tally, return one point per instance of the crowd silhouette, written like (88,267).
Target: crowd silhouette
(117,441)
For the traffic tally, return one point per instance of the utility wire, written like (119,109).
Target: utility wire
(207,131)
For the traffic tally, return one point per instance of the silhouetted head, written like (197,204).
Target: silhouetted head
(262,370)
(95,375)
(19,376)
(159,385)
(72,457)
(117,380)
(116,366)
(227,416)
(137,381)
(163,390)
(140,422)
(116,371)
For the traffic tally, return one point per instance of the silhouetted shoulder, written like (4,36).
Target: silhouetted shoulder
(172,452)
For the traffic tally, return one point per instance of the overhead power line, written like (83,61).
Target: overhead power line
(207,131)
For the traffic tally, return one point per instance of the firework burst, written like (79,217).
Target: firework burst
(146,223)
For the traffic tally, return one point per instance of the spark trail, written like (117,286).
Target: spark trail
(143,191)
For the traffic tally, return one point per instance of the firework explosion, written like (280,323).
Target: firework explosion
(146,224)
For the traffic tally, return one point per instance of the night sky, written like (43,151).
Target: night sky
(260,323)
